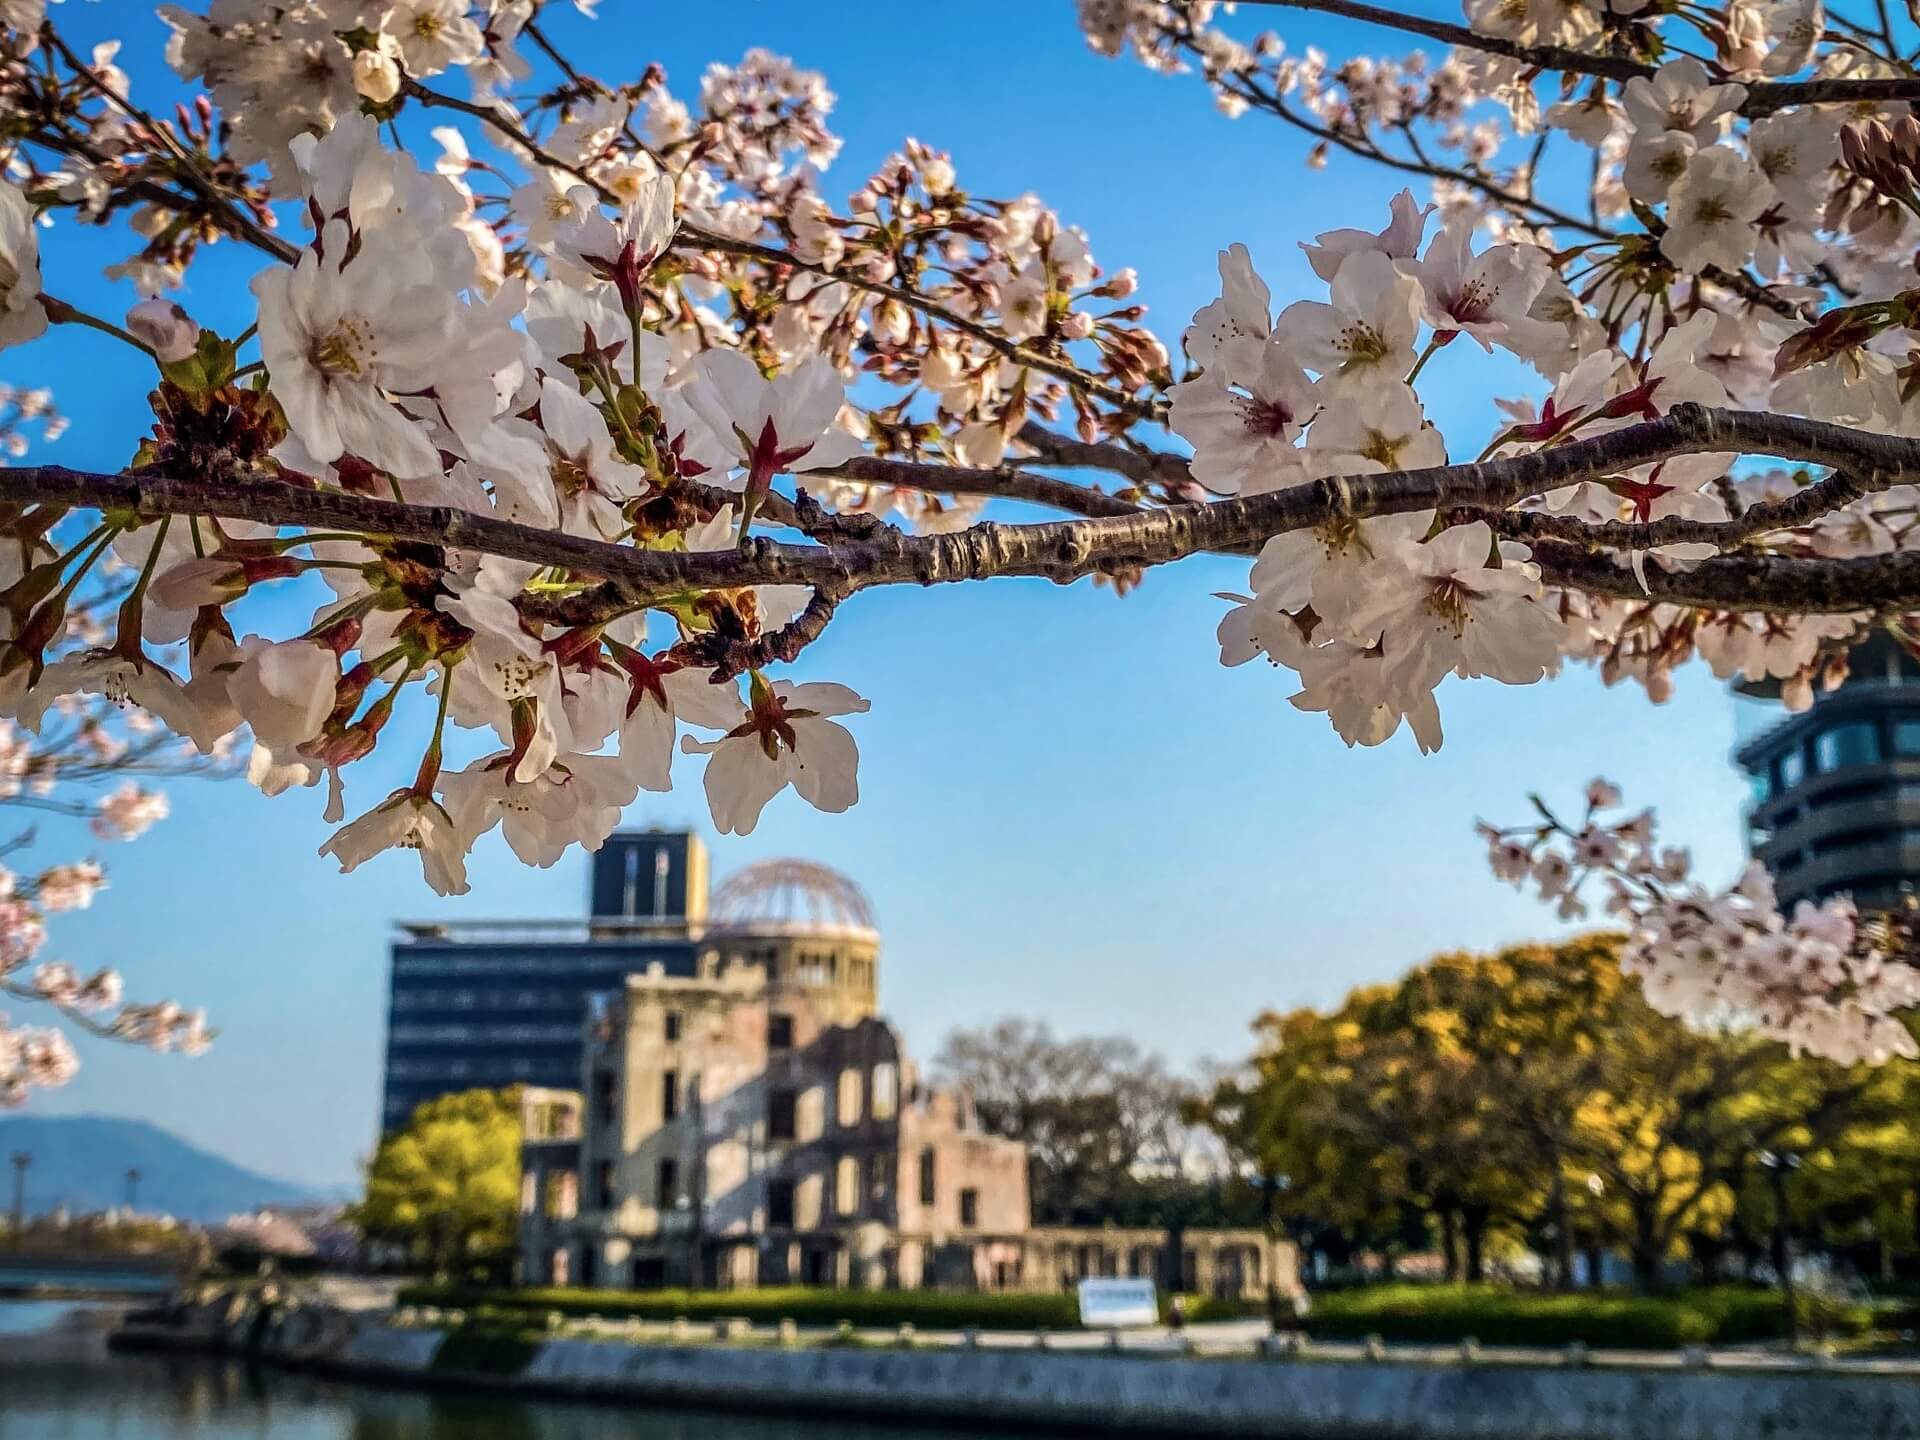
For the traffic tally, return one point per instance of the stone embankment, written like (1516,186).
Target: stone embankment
(1154,1385)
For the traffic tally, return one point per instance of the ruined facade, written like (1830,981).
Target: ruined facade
(756,1123)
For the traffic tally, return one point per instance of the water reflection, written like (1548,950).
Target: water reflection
(62,1383)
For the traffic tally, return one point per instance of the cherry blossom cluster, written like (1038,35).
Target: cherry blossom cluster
(568,373)
(26,416)
(557,423)
(547,404)
(42,1056)
(985,307)
(1819,979)
(1373,613)
(1743,212)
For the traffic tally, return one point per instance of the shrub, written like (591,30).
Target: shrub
(928,1309)
(1723,1315)
(488,1346)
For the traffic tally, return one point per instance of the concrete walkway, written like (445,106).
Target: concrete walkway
(1224,1339)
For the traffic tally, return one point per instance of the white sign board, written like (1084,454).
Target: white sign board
(1108,1304)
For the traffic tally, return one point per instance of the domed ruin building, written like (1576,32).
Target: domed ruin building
(714,1101)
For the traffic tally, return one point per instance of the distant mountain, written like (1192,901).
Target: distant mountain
(81,1162)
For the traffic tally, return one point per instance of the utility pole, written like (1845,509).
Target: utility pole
(133,1188)
(1273,1253)
(21,1160)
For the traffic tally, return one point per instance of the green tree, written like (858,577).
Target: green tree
(1534,1094)
(448,1185)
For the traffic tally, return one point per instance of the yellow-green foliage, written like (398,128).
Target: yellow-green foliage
(1722,1315)
(1497,1098)
(928,1309)
(448,1185)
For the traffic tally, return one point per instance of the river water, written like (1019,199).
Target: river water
(57,1382)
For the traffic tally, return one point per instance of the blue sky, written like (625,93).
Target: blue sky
(1070,809)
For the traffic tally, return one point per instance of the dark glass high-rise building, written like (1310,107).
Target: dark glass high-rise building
(1836,789)
(503,1002)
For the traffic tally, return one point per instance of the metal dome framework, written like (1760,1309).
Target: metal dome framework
(792,895)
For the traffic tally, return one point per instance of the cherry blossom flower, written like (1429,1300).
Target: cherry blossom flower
(660,696)
(1449,608)
(128,812)
(1244,417)
(336,336)
(1481,295)
(407,821)
(1380,428)
(592,481)
(124,680)
(1656,162)
(433,35)
(1399,241)
(164,328)
(576,801)
(22,318)
(1243,311)
(1326,567)
(786,736)
(772,426)
(1681,96)
(1364,332)
(68,887)
(284,691)
(621,251)
(1710,212)
(1794,27)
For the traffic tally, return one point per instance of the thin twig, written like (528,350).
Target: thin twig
(695,237)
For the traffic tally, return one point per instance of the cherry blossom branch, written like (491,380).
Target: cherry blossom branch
(1525,207)
(1836,492)
(1004,482)
(1546,57)
(1879,584)
(218,203)
(1822,979)
(696,237)
(1763,97)
(1148,467)
(1065,550)
(734,657)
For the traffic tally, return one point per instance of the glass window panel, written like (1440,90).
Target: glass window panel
(1793,769)
(1854,743)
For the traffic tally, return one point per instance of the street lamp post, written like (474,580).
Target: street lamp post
(1779,1164)
(1597,1188)
(133,1188)
(21,1160)
(1271,1187)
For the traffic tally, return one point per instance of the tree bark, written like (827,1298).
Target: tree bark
(1562,1229)
(1647,1249)
(1473,1226)
(1064,550)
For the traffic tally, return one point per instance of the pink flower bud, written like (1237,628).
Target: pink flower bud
(375,76)
(164,328)
(197,582)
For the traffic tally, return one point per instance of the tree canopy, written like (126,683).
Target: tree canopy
(1533,1096)
(447,1186)
(559,419)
